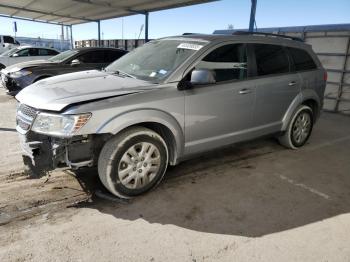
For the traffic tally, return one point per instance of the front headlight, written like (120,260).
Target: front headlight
(59,125)
(20,73)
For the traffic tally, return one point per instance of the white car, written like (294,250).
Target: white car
(25,53)
(7,42)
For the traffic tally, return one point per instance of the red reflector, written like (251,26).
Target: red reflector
(325,76)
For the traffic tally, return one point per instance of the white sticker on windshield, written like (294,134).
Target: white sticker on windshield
(189,46)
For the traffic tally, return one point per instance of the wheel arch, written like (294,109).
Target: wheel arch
(160,122)
(306,97)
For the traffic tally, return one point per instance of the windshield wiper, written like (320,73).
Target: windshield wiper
(121,73)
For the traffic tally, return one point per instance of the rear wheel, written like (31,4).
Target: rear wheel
(133,162)
(299,128)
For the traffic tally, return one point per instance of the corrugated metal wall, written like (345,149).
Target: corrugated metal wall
(126,44)
(333,50)
(331,44)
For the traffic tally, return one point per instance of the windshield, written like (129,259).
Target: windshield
(157,59)
(9,52)
(63,56)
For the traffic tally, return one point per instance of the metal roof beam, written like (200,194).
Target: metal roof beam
(45,13)
(33,20)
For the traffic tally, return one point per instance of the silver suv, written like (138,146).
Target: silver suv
(169,100)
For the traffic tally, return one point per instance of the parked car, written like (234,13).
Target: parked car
(18,76)
(169,100)
(25,53)
(6,43)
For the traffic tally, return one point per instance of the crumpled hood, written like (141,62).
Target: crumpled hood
(55,93)
(29,64)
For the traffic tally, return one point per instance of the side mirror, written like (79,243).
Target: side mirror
(198,77)
(202,77)
(15,55)
(75,62)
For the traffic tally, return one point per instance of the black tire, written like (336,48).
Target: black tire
(111,154)
(2,66)
(288,139)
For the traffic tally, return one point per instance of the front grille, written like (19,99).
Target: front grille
(27,110)
(25,116)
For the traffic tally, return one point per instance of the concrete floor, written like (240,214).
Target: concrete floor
(253,202)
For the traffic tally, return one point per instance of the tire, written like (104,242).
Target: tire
(290,138)
(2,66)
(133,162)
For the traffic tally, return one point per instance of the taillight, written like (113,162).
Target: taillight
(325,76)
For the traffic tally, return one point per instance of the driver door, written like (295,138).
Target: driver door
(222,113)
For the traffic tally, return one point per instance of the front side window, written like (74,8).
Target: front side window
(229,62)
(33,52)
(93,57)
(157,59)
(64,56)
(302,60)
(23,52)
(271,59)
(111,55)
(9,40)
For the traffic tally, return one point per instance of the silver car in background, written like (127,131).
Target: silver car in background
(170,100)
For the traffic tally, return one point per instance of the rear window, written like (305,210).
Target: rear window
(271,59)
(302,60)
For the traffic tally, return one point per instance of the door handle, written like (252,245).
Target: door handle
(244,91)
(293,83)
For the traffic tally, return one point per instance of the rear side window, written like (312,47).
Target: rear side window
(229,62)
(302,60)
(271,59)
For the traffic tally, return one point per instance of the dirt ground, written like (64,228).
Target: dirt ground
(253,202)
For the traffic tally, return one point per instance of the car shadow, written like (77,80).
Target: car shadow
(248,190)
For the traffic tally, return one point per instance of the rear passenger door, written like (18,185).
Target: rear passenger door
(276,87)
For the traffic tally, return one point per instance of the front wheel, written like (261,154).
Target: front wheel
(299,128)
(133,162)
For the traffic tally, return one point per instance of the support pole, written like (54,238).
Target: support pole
(146,27)
(99,33)
(252,15)
(71,37)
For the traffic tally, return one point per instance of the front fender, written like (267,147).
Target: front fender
(119,122)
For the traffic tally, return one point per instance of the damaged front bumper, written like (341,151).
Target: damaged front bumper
(42,153)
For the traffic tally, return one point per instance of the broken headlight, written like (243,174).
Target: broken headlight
(59,125)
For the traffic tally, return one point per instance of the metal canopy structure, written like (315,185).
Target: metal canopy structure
(72,12)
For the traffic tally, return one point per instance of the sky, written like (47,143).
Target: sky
(203,18)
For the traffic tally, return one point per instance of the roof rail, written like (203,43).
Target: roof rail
(268,34)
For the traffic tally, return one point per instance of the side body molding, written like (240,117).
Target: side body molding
(126,119)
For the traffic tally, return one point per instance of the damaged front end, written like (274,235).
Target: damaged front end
(43,153)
